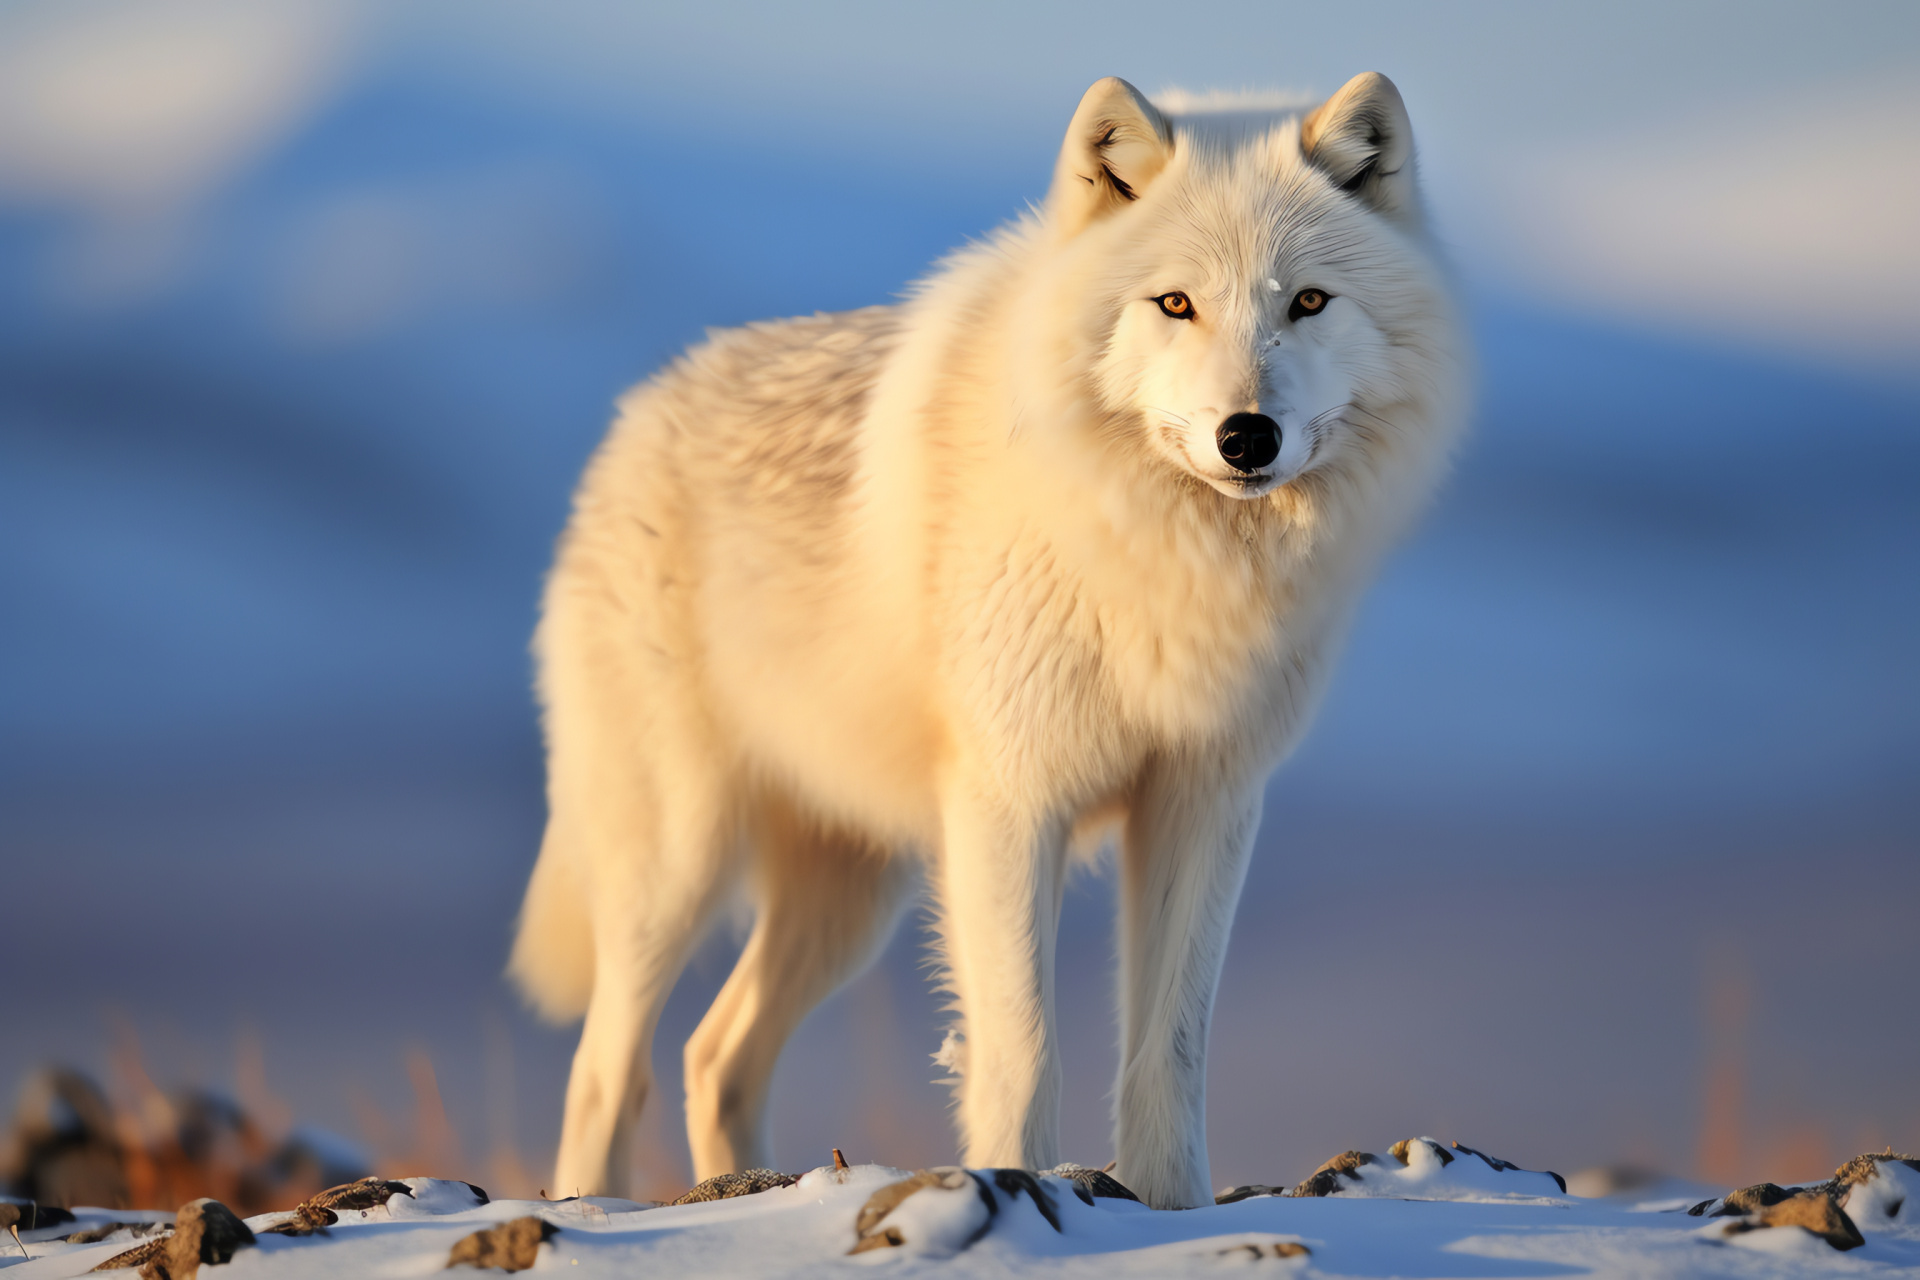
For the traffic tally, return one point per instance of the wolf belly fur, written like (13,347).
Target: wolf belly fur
(856,605)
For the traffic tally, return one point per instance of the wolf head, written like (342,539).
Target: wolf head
(1255,295)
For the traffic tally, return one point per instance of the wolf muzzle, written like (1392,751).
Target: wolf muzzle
(1248,441)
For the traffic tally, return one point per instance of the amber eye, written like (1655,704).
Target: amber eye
(1308,302)
(1177,305)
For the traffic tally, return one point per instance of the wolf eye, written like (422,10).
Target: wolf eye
(1308,302)
(1177,305)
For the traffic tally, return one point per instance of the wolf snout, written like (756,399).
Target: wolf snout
(1248,441)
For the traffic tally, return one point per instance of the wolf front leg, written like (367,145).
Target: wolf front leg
(1189,833)
(1001,878)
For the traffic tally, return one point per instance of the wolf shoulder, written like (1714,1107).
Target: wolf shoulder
(765,396)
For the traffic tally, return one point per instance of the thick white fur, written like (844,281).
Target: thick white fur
(852,601)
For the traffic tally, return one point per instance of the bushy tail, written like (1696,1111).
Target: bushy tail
(552,960)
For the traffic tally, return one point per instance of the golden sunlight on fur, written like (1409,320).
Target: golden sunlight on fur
(855,604)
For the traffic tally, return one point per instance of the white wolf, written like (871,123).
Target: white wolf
(940,592)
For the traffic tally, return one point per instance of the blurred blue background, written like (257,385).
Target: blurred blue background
(1604,848)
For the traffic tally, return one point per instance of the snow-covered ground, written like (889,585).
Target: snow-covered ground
(1423,1211)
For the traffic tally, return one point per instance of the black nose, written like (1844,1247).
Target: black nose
(1249,441)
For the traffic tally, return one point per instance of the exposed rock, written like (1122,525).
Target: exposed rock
(1877,1190)
(511,1246)
(1815,1211)
(368,1193)
(305,1220)
(138,1256)
(431,1197)
(1016,1182)
(205,1233)
(1863,1167)
(1744,1201)
(1233,1195)
(1090,1184)
(1399,1151)
(1504,1166)
(872,1231)
(1493,1162)
(1254,1249)
(745,1183)
(1421,1169)
(1751,1199)
(1325,1180)
(888,1198)
(1812,1210)
(1821,1209)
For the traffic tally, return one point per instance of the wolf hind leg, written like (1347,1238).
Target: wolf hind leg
(827,905)
(661,860)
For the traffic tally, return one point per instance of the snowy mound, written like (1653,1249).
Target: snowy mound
(1422,1210)
(1420,1169)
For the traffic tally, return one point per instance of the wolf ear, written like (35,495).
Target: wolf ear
(1361,138)
(1117,144)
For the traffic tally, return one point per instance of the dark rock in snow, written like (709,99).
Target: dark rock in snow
(1014,1182)
(1817,1209)
(1493,1162)
(323,1209)
(205,1233)
(511,1246)
(1816,1212)
(1863,1167)
(1254,1250)
(1090,1184)
(1745,1200)
(1500,1166)
(305,1220)
(872,1231)
(1325,1180)
(745,1183)
(368,1193)
(1812,1210)
(138,1256)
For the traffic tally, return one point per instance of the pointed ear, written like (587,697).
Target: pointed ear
(1361,138)
(1117,144)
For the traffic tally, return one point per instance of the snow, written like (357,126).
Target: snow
(1458,1219)
(1423,1169)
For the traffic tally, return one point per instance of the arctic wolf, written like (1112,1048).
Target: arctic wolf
(936,594)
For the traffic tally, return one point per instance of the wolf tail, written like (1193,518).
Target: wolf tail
(552,961)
